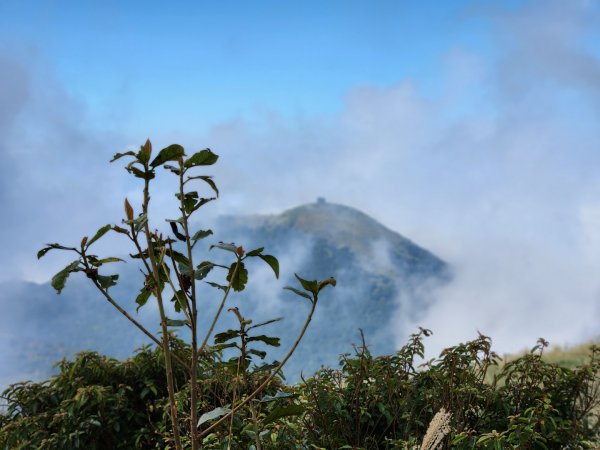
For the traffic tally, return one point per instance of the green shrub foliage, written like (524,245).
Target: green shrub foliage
(383,402)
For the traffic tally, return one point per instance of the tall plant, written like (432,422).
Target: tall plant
(171,275)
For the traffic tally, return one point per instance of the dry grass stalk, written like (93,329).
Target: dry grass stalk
(438,428)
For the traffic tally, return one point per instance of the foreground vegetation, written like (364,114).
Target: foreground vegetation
(384,402)
(220,391)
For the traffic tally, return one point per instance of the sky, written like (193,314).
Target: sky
(470,127)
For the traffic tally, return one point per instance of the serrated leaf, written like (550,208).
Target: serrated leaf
(171,153)
(202,158)
(212,415)
(120,155)
(223,246)
(101,232)
(238,282)
(272,341)
(284,411)
(272,262)
(107,281)
(59,280)
(298,292)
(201,234)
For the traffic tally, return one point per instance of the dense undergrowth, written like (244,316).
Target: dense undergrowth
(385,402)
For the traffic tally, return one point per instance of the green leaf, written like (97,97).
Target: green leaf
(226,336)
(143,155)
(176,323)
(171,153)
(99,262)
(203,269)
(189,200)
(202,158)
(212,415)
(201,234)
(179,300)
(262,324)
(120,155)
(272,341)
(142,297)
(59,280)
(223,246)
(202,202)
(261,354)
(255,252)
(107,281)
(272,262)
(101,232)
(238,282)
(49,247)
(284,411)
(208,180)
(310,286)
(277,396)
(298,292)
(218,286)
(138,173)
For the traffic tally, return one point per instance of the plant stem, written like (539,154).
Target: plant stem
(269,378)
(163,322)
(193,318)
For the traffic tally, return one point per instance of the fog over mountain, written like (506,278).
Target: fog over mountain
(380,275)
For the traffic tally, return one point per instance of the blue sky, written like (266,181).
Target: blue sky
(469,126)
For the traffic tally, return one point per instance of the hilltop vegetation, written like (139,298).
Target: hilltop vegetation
(368,402)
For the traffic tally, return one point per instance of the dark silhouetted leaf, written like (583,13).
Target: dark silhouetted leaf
(49,247)
(272,341)
(203,269)
(298,292)
(261,354)
(262,324)
(216,285)
(59,280)
(120,155)
(171,153)
(255,252)
(107,281)
(142,297)
(176,323)
(272,262)
(226,336)
(310,286)
(284,411)
(239,280)
(202,158)
(201,234)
